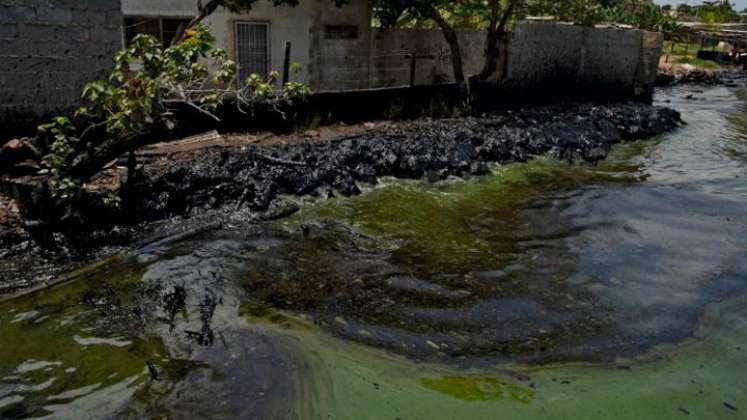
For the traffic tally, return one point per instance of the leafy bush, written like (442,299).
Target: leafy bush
(138,100)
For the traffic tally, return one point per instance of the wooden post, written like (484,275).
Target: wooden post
(129,187)
(702,44)
(413,61)
(286,63)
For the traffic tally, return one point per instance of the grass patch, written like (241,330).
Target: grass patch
(681,49)
(702,64)
(684,53)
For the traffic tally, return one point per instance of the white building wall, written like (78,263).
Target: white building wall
(292,24)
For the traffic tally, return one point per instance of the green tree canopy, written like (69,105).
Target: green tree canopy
(717,12)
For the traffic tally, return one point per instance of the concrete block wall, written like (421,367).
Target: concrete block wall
(540,56)
(341,64)
(648,65)
(550,56)
(608,58)
(540,52)
(391,48)
(49,49)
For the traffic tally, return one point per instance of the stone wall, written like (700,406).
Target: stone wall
(49,50)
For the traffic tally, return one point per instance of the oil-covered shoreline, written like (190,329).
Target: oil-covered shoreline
(248,185)
(424,149)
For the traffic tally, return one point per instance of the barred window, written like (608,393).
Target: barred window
(252,48)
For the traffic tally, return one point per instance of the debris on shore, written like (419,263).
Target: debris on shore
(675,74)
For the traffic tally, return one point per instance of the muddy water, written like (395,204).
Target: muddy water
(543,291)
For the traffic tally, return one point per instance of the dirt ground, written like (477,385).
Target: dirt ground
(188,147)
(191,147)
(9,215)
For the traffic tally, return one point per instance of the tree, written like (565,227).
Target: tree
(643,15)
(139,102)
(583,12)
(494,16)
(500,14)
(685,10)
(717,12)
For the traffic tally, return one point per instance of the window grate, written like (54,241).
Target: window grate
(252,49)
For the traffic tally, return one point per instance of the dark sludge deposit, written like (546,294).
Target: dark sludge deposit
(433,150)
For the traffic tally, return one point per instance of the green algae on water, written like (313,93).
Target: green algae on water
(260,313)
(64,344)
(350,381)
(478,389)
(458,226)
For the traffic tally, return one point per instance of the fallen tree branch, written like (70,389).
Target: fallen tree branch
(197,107)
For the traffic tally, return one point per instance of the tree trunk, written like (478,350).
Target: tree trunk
(453,41)
(128,189)
(492,51)
(90,163)
(496,33)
